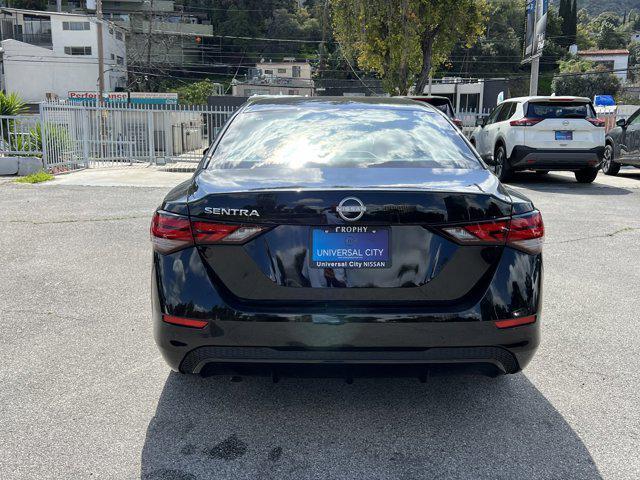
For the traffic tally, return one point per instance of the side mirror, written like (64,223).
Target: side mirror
(205,151)
(621,122)
(481,122)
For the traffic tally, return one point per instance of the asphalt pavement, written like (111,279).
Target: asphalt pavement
(85,394)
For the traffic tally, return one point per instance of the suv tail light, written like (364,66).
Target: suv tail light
(596,122)
(525,122)
(523,232)
(171,232)
(458,123)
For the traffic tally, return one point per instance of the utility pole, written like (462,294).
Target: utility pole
(100,51)
(535,70)
(535,62)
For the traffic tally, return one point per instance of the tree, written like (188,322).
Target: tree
(610,37)
(581,77)
(499,50)
(196,93)
(569,15)
(399,39)
(634,61)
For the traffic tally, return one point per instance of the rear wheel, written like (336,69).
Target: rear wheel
(609,166)
(501,167)
(586,175)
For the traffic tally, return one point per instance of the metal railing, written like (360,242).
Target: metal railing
(20,135)
(84,135)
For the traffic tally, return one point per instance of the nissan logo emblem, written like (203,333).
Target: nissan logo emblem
(351,209)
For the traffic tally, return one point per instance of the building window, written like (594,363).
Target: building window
(282,70)
(120,60)
(293,92)
(119,35)
(113,57)
(77,50)
(469,101)
(110,31)
(268,72)
(76,26)
(295,71)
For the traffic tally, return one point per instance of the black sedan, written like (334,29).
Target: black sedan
(622,145)
(349,235)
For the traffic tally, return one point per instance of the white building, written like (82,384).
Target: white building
(615,60)
(470,94)
(48,54)
(276,78)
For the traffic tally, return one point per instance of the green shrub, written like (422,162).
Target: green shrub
(37,177)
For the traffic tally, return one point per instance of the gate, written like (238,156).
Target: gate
(80,136)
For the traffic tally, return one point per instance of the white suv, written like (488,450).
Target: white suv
(542,134)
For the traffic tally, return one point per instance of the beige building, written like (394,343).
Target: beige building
(276,78)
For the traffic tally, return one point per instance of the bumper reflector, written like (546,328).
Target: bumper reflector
(185,322)
(515,322)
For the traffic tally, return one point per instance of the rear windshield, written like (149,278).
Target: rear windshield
(560,110)
(344,136)
(438,103)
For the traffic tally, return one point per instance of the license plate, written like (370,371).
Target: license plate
(564,135)
(350,247)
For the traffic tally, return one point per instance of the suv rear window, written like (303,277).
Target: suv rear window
(560,110)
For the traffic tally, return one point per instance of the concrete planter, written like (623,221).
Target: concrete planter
(20,165)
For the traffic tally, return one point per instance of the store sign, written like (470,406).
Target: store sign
(136,98)
(153,98)
(536,26)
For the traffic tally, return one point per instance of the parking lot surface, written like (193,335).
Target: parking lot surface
(85,393)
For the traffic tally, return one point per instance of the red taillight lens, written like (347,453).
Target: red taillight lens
(525,122)
(184,322)
(170,232)
(481,233)
(597,122)
(515,322)
(207,232)
(524,232)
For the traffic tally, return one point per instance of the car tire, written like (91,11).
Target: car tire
(586,175)
(502,169)
(609,165)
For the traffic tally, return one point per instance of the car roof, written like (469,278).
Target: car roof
(428,97)
(260,102)
(548,98)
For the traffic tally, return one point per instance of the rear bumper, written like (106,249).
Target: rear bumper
(372,343)
(527,158)
(464,333)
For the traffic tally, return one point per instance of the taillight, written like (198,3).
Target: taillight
(171,232)
(485,232)
(515,322)
(208,232)
(184,322)
(525,122)
(524,232)
(596,122)
(458,123)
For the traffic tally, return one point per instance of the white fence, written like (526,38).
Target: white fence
(96,135)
